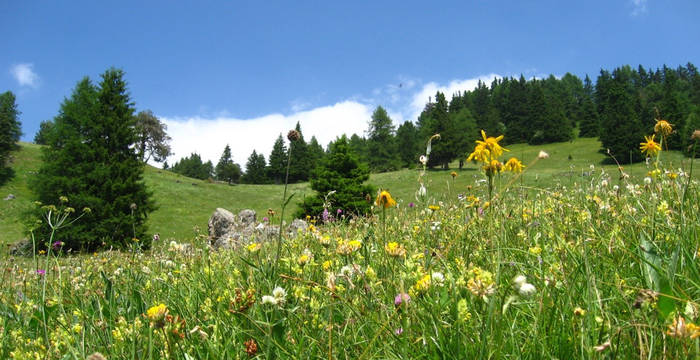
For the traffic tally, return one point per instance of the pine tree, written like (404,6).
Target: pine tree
(92,162)
(622,130)
(342,172)
(226,169)
(192,166)
(299,167)
(316,153)
(9,133)
(358,145)
(381,142)
(589,125)
(408,144)
(277,161)
(42,135)
(255,169)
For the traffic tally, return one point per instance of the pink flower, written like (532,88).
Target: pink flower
(401,298)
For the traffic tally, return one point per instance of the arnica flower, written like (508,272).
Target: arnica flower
(513,165)
(253,247)
(480,154)
(156,315)
(434,207)
(395,249)
(649,146)
(663,127)
(453,174)
(491,144)
(384,199)
(493,167)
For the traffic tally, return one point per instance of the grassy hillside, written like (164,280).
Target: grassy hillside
(184,203)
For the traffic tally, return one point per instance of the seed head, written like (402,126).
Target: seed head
(293,135)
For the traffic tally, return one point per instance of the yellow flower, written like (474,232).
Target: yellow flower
(480,154)
(327,265)
(650,147)
(663,127)
(253,247)
(348,247)
(491,144)
(513,165)
(493,167)
(434,207)
(395,249)
(384,199)
(156,314)
(453,174)
(579,312)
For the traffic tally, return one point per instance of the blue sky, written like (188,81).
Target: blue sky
(237,72)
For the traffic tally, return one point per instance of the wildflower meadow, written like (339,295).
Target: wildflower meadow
(605,267)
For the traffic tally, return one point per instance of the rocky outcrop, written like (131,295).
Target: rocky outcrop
(229,231)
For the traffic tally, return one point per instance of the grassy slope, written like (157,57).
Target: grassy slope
(185,203)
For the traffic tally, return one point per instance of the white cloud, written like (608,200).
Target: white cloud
(430,89)
(25,75)
(208,137)
(639,7)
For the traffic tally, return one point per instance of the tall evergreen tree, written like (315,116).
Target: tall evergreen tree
(92,162)
(192,166)
(255,169)
(277,161)
(299,167)
(622,130)
(589,125)
(342,172)
(9,133)
(381,142)
(358,145)
(436,120)
(316,153)
(409,146)
(42,135)
(226,169)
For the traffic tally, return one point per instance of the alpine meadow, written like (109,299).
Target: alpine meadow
(336,180)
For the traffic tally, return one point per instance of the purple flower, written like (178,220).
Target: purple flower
(401,298)
(57,245)
(325,215)
(265,219)
(398,331)
(41,272)
(339,211)
(411,205)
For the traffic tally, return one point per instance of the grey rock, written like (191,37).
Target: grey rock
(23,247)
(297,226)
(229,232)
(247,217)
(220,223)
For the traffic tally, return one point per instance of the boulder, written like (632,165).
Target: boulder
(220,223)
(247,217)
(227,231)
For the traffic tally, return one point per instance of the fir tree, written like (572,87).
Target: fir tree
(316,153)
(300,166)
(381,142)
(277,161)
(9,133)
(92,162)
(589,126)
(226,169)
(255,169)
(358,145)
(409,146)
(342,172)
(42,135)
(192,166)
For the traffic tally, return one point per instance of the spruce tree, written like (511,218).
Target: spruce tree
(342,172)
(277,161)
(315,153)
(255,169)
(381,142)
(589,126)
(358,145)
(192,166)
(300,166)
(92,163)
(226,169)
(622,131)
(9,133)
(409,146)
(42,135)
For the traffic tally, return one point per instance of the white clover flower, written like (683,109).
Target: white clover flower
(267,299)
(615,188)
(280,294)
(519,281)
(647,180)
(437,278)
(604,183)
(527,290)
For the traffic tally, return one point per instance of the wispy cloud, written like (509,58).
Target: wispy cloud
(25,75)
(639,7)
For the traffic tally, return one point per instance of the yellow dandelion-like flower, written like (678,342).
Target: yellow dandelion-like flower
(663,127)
(650,147)
(384,199)
(453,174)
(513,165)
(493,167)
(491,143)
(434,207)
(422,285)
(578,311)
(156,314)
(395,249)
(480,154)
(253,247)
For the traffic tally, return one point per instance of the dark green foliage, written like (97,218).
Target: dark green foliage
(316,153)
(465,132)
(340,171)
(192,166)
(226,169)
(358,145)
(152,139)
(277,164)
(589,125)
(91,160)
(435,119)
(692,124)
(300,165)
(42,136)
(622,131)
(382,149)
(409,146)
(9,133)
(255,169)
